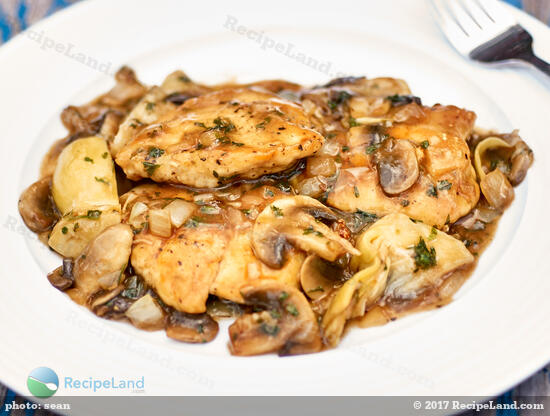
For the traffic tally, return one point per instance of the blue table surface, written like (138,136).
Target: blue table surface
(17,15)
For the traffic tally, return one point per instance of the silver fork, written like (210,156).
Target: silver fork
(485,31)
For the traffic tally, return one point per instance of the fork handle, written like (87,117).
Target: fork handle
(536,62)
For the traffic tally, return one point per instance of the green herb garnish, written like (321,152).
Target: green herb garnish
(102,180)
(272,330)
(311,230)
(291,309)
(155,152)
(150,168)
(424,257)
(278,212)
(444,185)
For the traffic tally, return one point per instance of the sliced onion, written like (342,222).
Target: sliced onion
(159,222)
(180,211)
(145,313)
(496,189)
(138,210)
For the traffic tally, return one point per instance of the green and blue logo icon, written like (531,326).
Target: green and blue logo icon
(42,382)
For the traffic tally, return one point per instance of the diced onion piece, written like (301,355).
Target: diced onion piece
(496,189)
(159,222)
(330,148)
(138,210)
(180,211)
(321,165)
(312,187)
(145,313)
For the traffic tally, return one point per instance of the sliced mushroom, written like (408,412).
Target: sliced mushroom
(145,313)
(285,322)
(397,166)
(354,297)
(296,221)
(497,190)
(36,207)
(194,328)
(62,278)
(318,277)
(521,160)
(105,255)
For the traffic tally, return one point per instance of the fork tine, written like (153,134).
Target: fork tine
(449,26)
(463,18)
(453,32)
(497,12)
(478,13)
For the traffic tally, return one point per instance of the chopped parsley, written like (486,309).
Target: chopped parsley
(102,180)
(345,149)
(269,193)
(64,230)
(272,330)
(444,185)
(424,257)
(311,230)
(275,314)
(76,227)
(88,159)
(316,289)
(104,155)
(353,123)
(149,106)
(283,296)
(93,214)
(193,222)
(433,233)
(291,309)
(341,98)
(405,202)
(263,123)
(237,144)
(150,168)
(366,216)
(425,144)
(278,212)
(432,191)
(355,191)
(155,152)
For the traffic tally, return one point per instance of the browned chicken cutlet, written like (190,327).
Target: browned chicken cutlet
(216,138)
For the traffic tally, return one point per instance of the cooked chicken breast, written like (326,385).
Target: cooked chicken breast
(210,252)
(220,137)
(419,165)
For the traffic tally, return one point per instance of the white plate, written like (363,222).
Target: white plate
(493,335)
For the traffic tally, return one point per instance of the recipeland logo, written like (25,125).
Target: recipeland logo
(42,382)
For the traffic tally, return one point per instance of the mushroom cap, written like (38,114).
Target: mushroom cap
(285,323)
(397,166)
(296,221)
